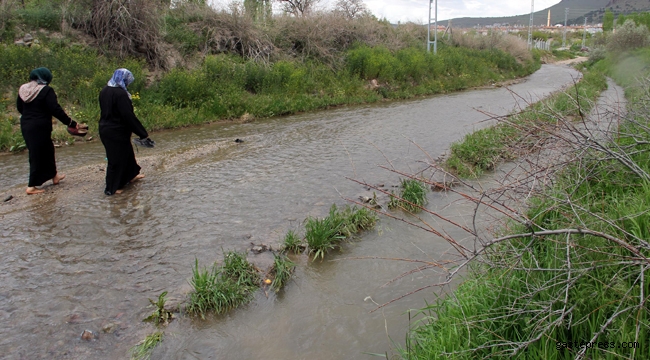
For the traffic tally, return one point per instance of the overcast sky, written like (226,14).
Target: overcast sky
(418,10)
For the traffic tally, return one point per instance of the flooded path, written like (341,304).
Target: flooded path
(75,259)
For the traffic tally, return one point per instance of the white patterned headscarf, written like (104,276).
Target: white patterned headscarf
(121,78)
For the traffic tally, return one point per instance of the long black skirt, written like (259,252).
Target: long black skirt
(42,164)
(122,166)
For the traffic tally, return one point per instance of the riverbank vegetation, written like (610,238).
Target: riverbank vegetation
(565,277)
(194,64)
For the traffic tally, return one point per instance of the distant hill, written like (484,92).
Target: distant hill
(578,10)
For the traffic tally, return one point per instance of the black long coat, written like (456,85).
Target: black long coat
(116,124)
(36,126)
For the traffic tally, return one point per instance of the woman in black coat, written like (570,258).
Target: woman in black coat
(116,124)
(37,103)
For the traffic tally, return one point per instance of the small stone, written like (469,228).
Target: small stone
(20,43)
(7,198)
(28,38)
(239,140)
(110,328)
(88,335)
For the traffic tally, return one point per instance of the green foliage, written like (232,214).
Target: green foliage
(220,289)
(143,350)
(629,36)
(160,316)
(325,234)
(282,270)
(292,242)
(412,197)
(47,16)
(608,21)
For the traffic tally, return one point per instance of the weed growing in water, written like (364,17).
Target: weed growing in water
(142,351)
(282,269)
(325,234)
(412,196)
(220,289)
(292,242)
(160,316)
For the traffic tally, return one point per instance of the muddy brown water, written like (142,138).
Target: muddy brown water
(77,259)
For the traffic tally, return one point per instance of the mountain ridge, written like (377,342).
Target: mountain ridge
(593,10)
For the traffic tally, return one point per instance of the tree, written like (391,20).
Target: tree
(608,20)
(352,8)
(298,7)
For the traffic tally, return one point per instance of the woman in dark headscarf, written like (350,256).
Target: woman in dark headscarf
(116,124)
(37,103)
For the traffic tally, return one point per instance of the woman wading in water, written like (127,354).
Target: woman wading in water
(37,103)
(116,124)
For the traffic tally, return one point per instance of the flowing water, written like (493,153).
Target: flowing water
(75,260)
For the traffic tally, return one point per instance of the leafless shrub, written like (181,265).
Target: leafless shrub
(234,31)
(326,35)
(511,44)
(127,27)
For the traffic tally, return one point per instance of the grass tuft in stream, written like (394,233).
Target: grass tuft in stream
(142,351)
(222,288)
(413,196)
(325,234)
(282,270)
(293,243)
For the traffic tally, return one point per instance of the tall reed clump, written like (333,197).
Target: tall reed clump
(412,197)
(224,287)
(327,233)
(484,149)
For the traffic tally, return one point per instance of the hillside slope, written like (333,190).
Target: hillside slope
(578,10)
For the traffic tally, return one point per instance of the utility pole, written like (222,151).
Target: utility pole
(435,21)
(530,25)
(584,34)
(566,16)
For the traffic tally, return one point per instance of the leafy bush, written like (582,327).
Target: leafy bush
(629,36)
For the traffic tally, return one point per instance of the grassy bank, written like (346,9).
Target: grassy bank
(484,149)
(229,87)
(570,282)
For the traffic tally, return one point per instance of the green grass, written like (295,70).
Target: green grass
(282,271)
(143,350)
(222,288)
(412,197)
(484,149)
(227,87)
(323,235)
(292,242)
